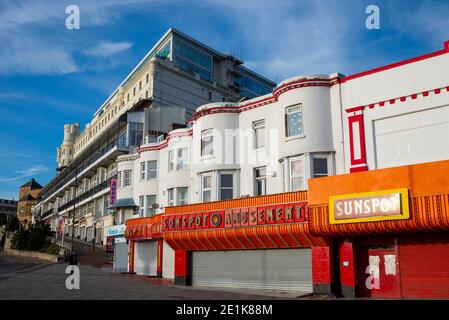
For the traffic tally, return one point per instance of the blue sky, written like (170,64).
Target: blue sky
(50,76)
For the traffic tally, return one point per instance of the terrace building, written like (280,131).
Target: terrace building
(160,94)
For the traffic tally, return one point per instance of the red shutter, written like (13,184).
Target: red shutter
(424,266)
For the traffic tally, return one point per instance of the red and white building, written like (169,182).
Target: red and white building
(312,140)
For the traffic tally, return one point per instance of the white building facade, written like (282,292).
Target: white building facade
(160,94)
(309,127)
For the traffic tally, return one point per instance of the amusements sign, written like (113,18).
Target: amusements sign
(238,217)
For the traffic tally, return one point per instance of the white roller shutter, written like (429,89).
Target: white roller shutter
(145,258)
(120,257)
(280,269)
(168,262)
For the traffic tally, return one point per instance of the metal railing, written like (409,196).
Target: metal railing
(100,187)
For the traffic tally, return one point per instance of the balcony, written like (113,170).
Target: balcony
(98,188)
(101,152)
(47,213)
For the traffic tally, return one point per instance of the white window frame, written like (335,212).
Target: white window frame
(143,171)
(119,179)
(312,166)
(149,212)
(171,199)
(180,201)
(182,158)
(289,111)
(290,173)
(259,125)
(261,178)
(172,160)
(208,189)
(150,171)
(127,181)
(219,187)
(206,134)
(141,206)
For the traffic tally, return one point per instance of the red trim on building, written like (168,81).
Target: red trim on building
(358,164)
(397,64)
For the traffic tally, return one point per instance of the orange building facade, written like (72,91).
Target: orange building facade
(380,233)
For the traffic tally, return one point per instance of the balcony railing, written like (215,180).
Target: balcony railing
(109,140)
(48,213)
(100,187)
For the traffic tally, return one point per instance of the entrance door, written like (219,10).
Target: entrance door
(381,271)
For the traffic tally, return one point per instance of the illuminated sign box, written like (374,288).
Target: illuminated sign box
(369,206)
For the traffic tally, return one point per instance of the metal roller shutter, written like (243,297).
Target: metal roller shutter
(145,258)
(121,257)
(168,262)
(280,269)
(424,266)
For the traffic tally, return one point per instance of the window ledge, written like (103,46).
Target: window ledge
(301,136)
(259,150)
(208,157)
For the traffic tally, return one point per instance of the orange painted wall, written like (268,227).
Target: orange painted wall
(428,186)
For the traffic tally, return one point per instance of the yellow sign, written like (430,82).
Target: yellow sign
(369,206)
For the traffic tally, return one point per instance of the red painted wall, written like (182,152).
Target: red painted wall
(182,268)
(322,265)
(347,273)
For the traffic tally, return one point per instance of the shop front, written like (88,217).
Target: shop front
(116,236)
(389,231)
(149,255)
(259,243)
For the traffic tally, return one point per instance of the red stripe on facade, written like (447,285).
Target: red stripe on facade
(395,65)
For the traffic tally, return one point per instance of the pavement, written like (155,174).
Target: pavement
(30,279)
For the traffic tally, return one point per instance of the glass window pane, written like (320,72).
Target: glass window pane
(207,181)
(226,194)
(182,196)
(296,184)
(206,196)
(226,181)
(320,167)
(296,168)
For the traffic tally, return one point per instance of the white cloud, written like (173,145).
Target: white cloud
(107,49)
(21,174)
(33,38)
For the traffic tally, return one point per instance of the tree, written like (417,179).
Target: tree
(33,238)
(13,224)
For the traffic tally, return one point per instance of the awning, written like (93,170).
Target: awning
(122,203)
